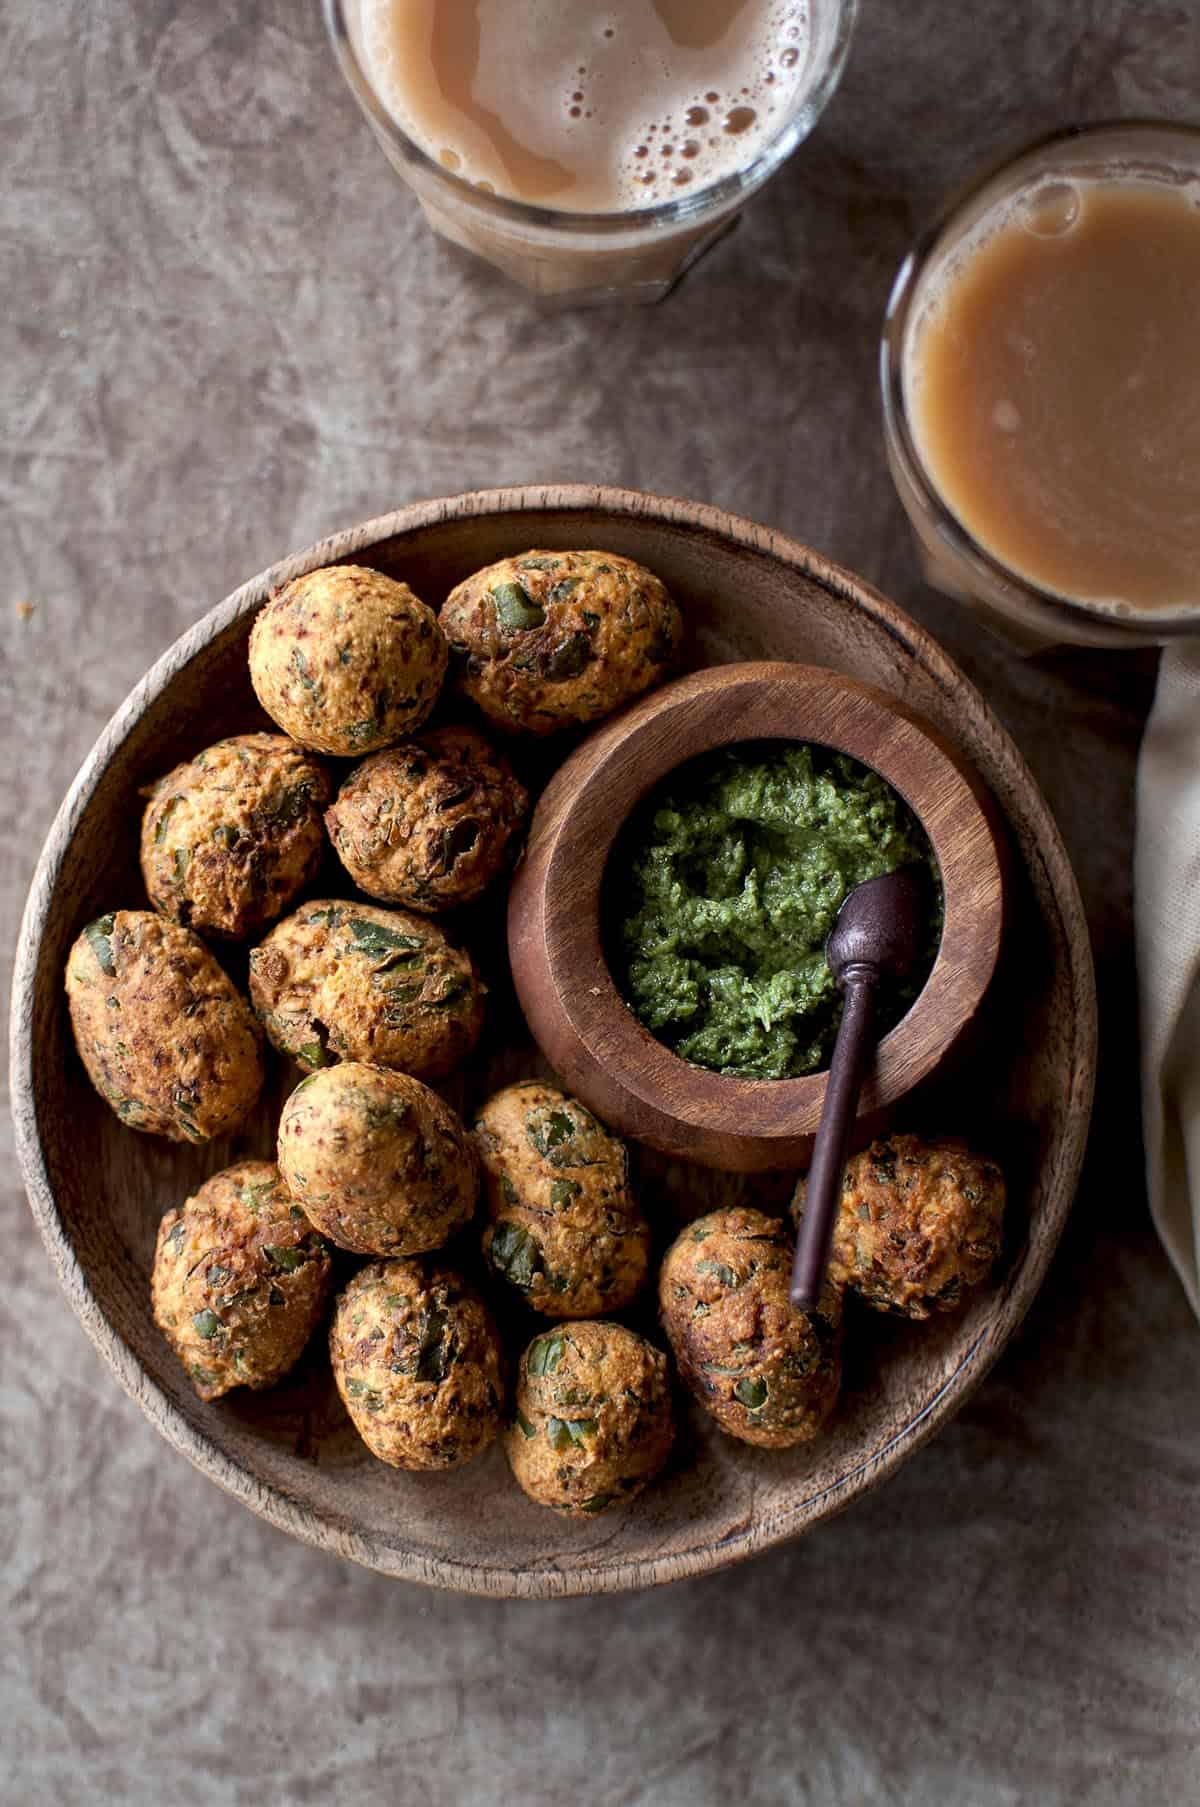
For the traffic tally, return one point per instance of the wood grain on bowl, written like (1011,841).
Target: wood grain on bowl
(557,911)
(98,1192)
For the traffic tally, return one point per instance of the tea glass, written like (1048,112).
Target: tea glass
(953,561)
(635,255)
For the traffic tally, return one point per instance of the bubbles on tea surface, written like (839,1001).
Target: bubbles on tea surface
(1052,210)
(696,116)
(450,160)
(1006,417)
(738,120)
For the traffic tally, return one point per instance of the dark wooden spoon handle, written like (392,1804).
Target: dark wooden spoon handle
(853,1045)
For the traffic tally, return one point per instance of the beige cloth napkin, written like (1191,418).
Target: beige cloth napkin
(1167,918)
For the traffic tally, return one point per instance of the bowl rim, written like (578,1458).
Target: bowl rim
(590,1576)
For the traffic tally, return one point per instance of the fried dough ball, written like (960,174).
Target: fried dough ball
(380,1164)
(418,1363)
(592,1424)
(553,638)
(429,823)
(240,1280)
(346,660)
(230,837)
(348,981)
(163,1032)
(769,1374)
(918,1225)
(566,1231)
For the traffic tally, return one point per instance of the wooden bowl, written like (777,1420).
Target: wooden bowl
(556,915)
(97,1190)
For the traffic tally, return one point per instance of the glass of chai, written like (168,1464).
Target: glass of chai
(592,151)
(1041,390)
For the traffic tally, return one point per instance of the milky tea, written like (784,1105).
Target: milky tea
(1053,382)
(590,108)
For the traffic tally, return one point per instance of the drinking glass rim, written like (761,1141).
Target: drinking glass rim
(1172,624)
(549,222)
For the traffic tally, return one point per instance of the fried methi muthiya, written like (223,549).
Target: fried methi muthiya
(551,639)
(767,1373)
(418,1363)
(240,1280)
(565,1230)
(349,981)
(164,1034)
(919,1224)
(592,1423)
(429,823)
(381,1165)
(346,660)
(231,837)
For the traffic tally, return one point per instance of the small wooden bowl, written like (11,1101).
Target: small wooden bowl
(556,912)
(98,1191)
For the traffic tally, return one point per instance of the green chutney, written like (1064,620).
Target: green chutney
(725,885)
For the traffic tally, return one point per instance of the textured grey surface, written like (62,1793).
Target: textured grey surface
(225,332)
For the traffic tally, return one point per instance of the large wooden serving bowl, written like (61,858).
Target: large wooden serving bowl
(98,1190)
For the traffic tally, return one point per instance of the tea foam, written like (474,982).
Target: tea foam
(563,104)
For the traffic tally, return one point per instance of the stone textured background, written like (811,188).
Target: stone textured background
(225,332)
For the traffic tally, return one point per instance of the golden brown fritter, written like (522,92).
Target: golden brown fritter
(918,1224)
(230,837)
(346,660)
(566,1231)
(551,638)
(163,1032)
(769,1374)
(349,981)
(380,1164)
(429,823)
(418,1363)
(240,1280)
(592,1424)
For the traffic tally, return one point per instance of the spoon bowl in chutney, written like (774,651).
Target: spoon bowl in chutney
(685,864)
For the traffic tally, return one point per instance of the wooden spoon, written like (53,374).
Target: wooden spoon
(878,935)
